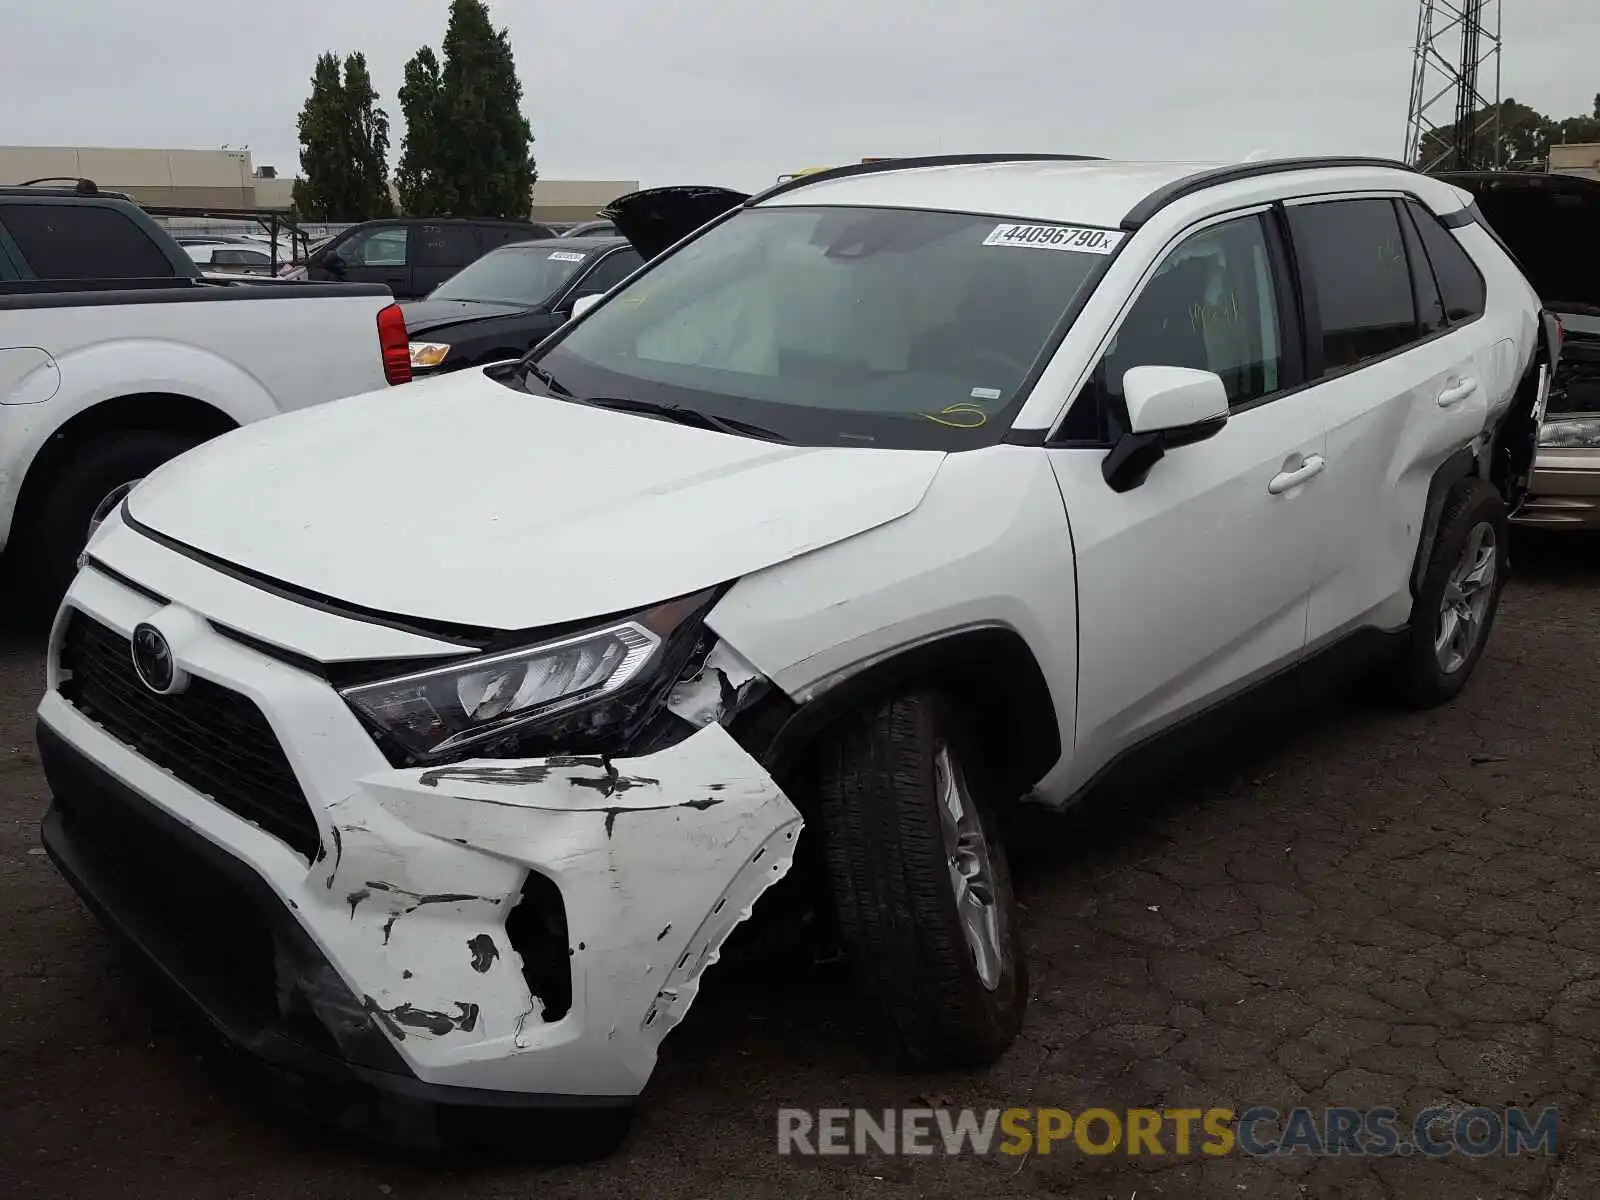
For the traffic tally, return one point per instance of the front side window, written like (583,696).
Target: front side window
(518,274)
(1212,306)
(841,326)
(1355,258)
(613,269)
(379,248)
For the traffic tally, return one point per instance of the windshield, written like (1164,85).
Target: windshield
(891,327)
(517,274)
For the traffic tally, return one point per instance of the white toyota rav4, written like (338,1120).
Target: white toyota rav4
(434,740)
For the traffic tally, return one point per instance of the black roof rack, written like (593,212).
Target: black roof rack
(881,165)
(1233,172)
(75,187)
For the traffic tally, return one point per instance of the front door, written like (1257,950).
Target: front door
(1194,583)
(379,255)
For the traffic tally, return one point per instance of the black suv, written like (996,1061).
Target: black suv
(411,255)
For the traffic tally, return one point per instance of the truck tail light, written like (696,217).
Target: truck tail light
(394,344)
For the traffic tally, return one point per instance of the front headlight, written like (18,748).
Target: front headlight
(443,710)
(1571,433)
(427,355)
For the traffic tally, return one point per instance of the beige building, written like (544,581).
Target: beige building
(576,199)
(229,179)
(1581,160)
(191,178)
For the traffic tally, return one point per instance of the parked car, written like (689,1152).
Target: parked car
(511,299)
(591,229)
(1551,223)
(410,255)
(459,725)
(242,258)
(117,355)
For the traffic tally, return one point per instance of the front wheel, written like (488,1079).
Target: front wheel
(920,882)
(1455,606)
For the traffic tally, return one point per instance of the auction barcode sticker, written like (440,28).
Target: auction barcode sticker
(1056,237)
(566,256)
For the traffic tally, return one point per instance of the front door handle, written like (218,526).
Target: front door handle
(1283,481)
(1456,393)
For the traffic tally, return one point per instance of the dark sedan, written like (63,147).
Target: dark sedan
(510,299)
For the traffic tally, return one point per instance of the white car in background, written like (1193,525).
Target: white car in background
(247,258)
(449,731)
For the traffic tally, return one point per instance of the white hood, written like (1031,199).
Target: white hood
(461,500)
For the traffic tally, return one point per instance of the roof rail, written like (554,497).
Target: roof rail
(878,166)
(1232,173)
(78,187)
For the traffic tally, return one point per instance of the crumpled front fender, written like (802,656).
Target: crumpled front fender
(657,859)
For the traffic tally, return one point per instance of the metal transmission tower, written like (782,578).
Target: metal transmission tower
(1454,120)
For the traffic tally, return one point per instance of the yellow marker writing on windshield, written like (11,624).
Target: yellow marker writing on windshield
(960,416)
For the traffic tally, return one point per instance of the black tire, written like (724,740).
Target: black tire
(55,525)
(890,877)
(1419,679)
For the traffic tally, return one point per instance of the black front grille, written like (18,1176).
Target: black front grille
(215,740)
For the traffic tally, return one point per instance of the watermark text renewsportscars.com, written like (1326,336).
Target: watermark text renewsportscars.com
(1258,1132)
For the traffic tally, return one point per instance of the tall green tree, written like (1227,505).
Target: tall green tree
(418,178)
(468,147)
(1525,136)
(344,145)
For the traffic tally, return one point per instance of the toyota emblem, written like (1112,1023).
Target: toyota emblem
(153,662)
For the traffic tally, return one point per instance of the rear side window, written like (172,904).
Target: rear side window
(75,241)
(1430,305)
(1355,257)
(446,245)
(1459,281)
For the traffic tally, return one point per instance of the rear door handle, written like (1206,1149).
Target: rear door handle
(1283,481)
(1456,393)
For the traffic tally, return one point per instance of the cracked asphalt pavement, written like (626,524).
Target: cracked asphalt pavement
(1360,907)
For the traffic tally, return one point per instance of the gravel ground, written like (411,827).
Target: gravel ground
(1369,909)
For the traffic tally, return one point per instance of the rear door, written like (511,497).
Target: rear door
(439,251)
(1401,386)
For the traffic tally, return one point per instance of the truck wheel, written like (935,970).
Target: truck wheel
(86,491)
(1456,604)
(920,882)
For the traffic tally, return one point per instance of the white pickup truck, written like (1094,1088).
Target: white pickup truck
(116,355)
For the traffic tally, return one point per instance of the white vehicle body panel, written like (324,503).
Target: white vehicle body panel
(459,500)
(604,496)
(248,359)
(425,862)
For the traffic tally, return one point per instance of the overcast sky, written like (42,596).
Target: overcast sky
(711,91)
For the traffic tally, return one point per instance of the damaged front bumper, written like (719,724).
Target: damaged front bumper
(491,934)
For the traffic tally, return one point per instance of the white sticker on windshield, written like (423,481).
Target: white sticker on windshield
(986,393)
(565,256)
(1055,237)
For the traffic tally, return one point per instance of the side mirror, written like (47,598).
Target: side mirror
(583,304)
(1168,407)
(333,265)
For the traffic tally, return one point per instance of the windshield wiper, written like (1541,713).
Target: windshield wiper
(685,416)
(544,377)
